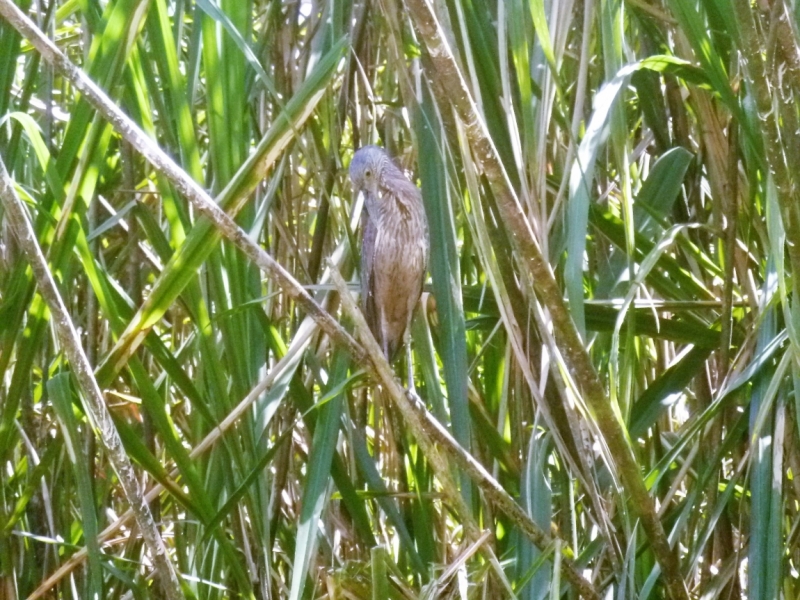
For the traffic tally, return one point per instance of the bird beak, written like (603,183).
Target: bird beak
(358,202)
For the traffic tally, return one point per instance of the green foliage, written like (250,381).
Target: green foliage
(656,184)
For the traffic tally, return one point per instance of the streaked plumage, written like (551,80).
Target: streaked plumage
(394,250)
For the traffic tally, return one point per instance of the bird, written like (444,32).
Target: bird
(394,248)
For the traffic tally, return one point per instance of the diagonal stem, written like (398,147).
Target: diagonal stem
(93,397)
(452,90)
(431,436)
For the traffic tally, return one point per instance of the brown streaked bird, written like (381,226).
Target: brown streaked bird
(394,250)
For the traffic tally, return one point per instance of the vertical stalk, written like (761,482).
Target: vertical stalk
(755,73)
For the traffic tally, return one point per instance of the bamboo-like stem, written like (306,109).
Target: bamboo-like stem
(540,280)
(93,397)
(755,73)
(787,46)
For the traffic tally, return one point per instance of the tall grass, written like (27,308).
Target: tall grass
(609,334)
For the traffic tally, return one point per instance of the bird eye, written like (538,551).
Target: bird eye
(368,173)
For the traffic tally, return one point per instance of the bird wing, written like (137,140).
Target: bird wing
(369,230)
(399,262)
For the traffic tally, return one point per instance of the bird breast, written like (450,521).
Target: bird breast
(399,261)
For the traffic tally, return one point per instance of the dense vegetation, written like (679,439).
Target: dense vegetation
(610,332)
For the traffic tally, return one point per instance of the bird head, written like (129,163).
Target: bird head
(366,169)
